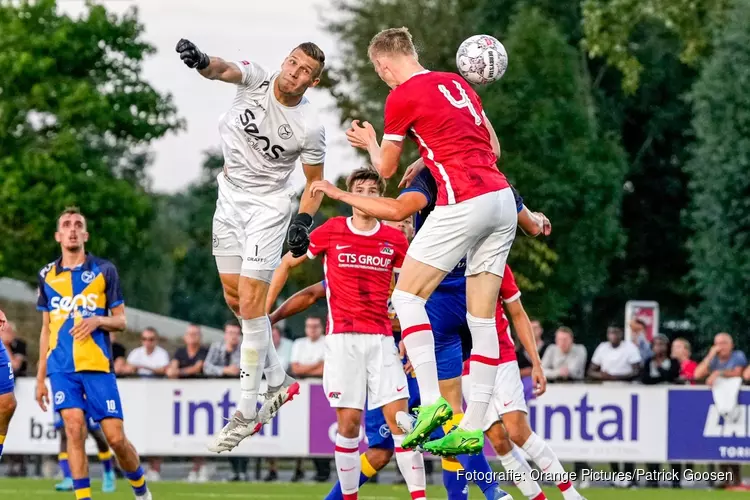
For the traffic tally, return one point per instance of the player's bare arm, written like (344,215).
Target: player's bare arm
(534,223)
(388,209)
(385,156)
(42,393)
(280,275)
(493,137)
(522,324)
(300,301)
(213,68)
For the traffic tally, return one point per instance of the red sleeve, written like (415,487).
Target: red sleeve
(402,245)
(398,116)
(319,239)
(509,291)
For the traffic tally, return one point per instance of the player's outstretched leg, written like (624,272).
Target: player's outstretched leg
(75,430)
(514,463)
(7,408)
(371,463)
(521,434)
(127,457)
(256,334)
(62,458)
(348,464)
(109,483)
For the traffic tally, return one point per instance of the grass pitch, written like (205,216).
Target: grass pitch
(18,489)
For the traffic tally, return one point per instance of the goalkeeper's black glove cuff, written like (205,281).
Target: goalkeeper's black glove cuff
(304,218)
(203,62)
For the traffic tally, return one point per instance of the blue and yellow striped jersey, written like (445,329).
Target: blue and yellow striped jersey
(70,295)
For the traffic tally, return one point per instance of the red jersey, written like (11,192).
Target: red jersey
(358,268)
(687,370)
(444,116)
(509,292)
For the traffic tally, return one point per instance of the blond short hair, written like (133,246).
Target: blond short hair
(393,41)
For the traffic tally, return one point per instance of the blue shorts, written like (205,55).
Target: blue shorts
(93,392)
(446,309)
(377,430)
(92,426)
(7,380)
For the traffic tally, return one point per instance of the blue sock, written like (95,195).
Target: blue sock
(455,484)
(2,442)
(479,463)
(82,488)
(106,459)
(62,460)
(137,481)
(367,472)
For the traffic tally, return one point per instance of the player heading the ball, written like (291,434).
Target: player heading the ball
(475,217)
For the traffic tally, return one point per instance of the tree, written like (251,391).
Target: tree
(76,118)
(610,25)
(438,28)
(719,214)
(556,154)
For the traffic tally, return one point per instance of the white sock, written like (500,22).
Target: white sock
(521,475)
(348,464)
(485,354)
(416,333)
(411,465)
(273,371)
(255,337)
(545,458)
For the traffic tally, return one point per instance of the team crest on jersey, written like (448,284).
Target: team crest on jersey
(285,131)
(386,250)
(87,276)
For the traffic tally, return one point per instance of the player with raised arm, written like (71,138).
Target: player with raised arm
(7,398)
(269,126)
(474,217)
(446,309)
(360,257)
(81,302)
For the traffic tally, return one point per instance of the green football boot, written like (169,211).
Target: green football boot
(429,418)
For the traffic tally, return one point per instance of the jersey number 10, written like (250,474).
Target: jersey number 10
(464,102)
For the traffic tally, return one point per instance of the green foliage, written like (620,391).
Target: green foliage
(555,155)
(720,185)
(610,24)
(75,119)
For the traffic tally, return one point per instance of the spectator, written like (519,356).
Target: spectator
(638,331)
(118,356)
(564,360)
(16,349)
(223,360)
(283,347)
(150,359)
(722,361)
(681,351)
(725,362)
(615,359)
(187,361)
(307,357)
(541,345)
(612,361)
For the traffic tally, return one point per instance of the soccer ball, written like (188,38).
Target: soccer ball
(481,59)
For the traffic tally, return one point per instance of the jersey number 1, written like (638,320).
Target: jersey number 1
(464,102)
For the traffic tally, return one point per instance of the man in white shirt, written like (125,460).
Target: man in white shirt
(150,359)
(309,351)
(564,360)
(615,359)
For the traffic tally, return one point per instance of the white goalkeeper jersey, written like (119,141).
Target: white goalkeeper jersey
(262,139)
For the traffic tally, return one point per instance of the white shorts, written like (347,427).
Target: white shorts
(362,366)
(481,228)
(250,226)
(508,395)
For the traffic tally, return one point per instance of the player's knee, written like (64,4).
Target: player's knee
(7,405)
(517,428)
(499,439)
(349,429)
(117,441)
(75,428)
(252,300)
(232,300)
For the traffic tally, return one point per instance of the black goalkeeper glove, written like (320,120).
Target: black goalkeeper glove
(298,236)
(191,56)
